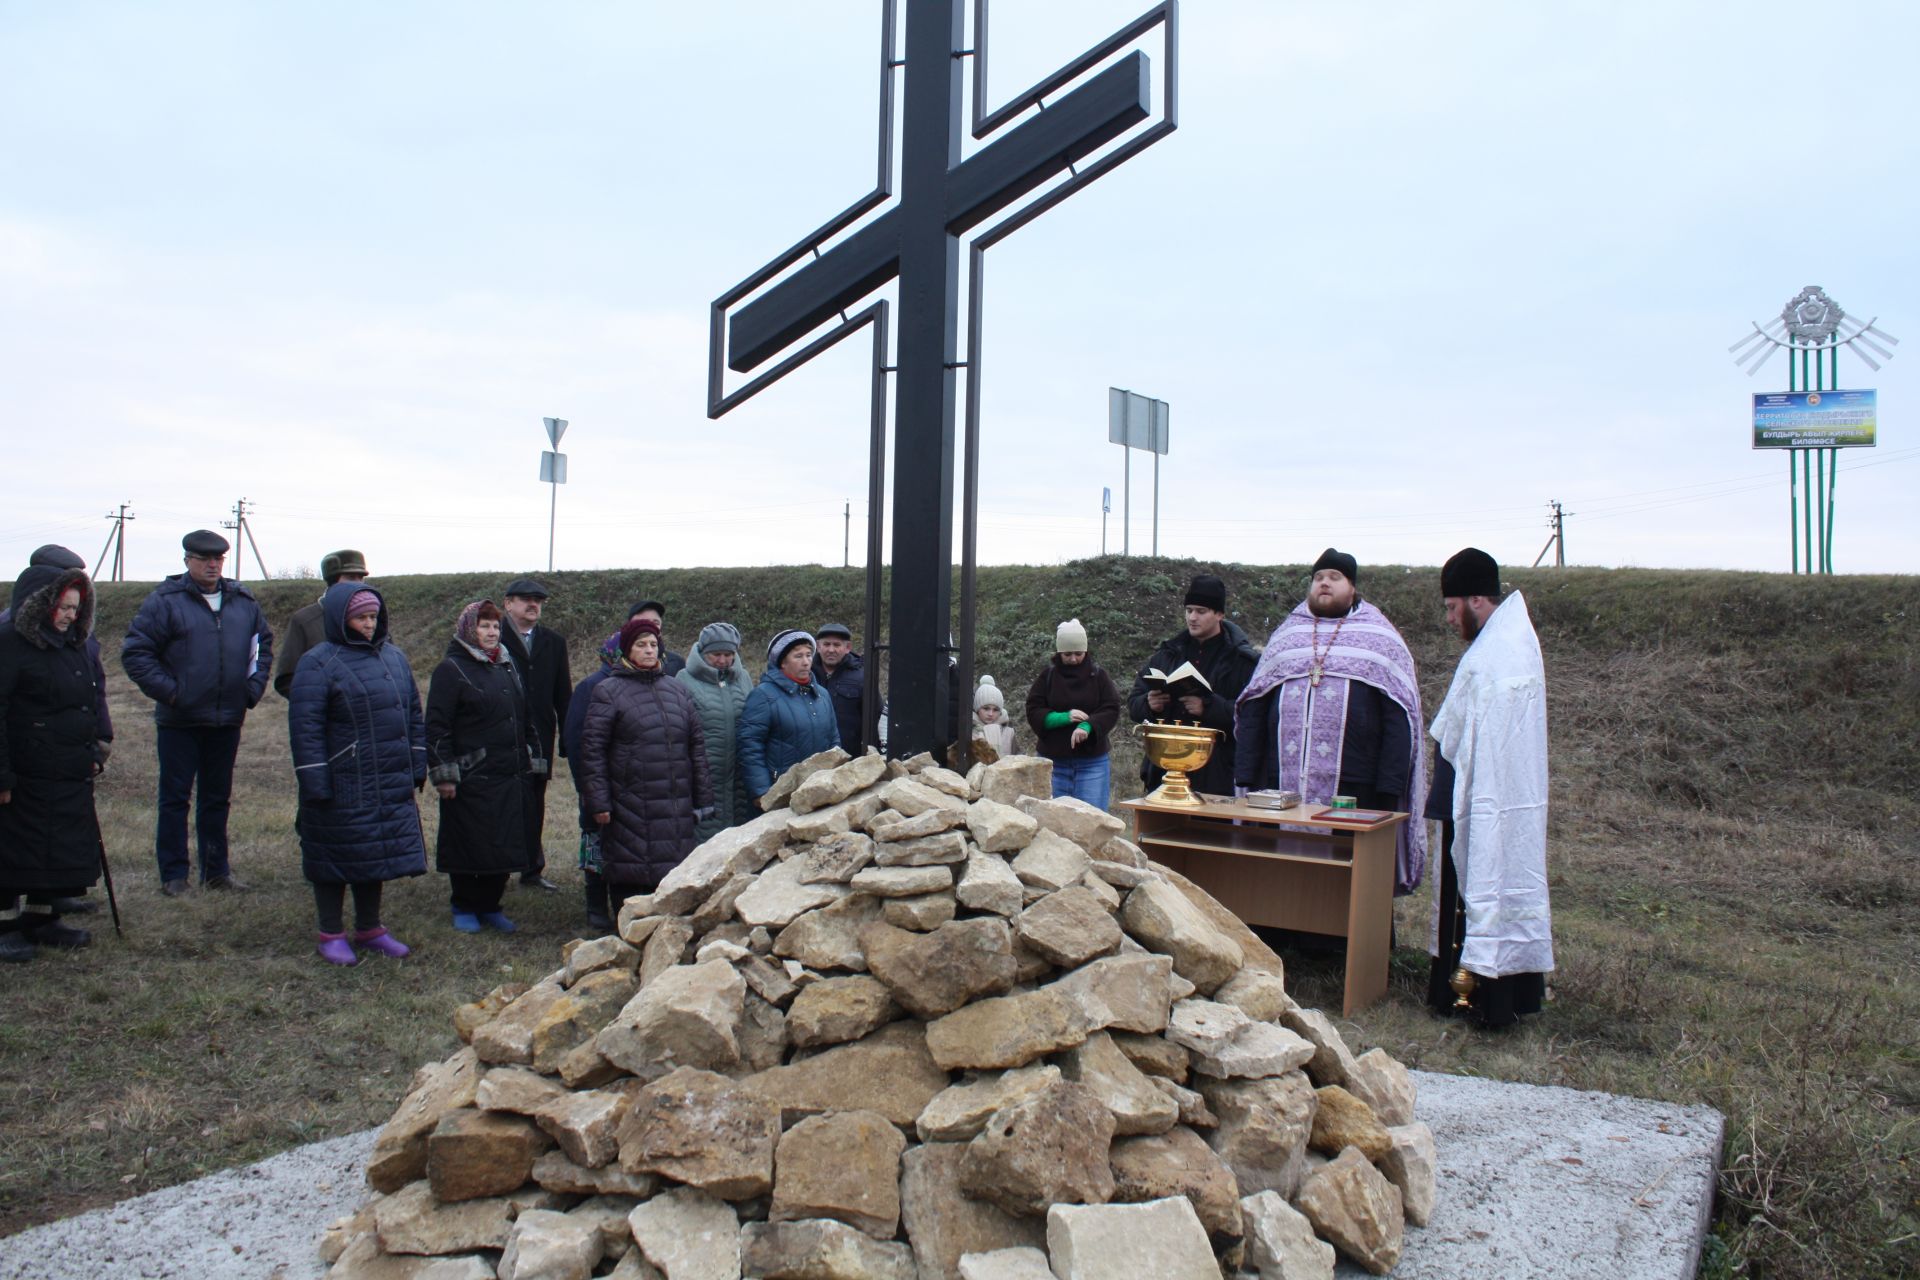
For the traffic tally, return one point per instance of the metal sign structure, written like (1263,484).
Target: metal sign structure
(1081,121)
(1811,329)
(553,471)
(1134,422)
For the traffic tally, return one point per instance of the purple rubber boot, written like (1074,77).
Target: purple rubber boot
(333,949)
(378,939)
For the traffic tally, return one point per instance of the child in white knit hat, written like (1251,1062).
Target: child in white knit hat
(990,719)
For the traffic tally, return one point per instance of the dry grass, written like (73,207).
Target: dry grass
(1734,875)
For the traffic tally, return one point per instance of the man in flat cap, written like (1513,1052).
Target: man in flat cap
(842,673)
(1493,920)
(539,656)
(1220,651)
(671,663)
(1334,709)
(201,648)
(307,627)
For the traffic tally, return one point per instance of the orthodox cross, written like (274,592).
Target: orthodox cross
(943,196)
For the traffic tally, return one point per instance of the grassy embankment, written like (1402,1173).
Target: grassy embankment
(1734,870)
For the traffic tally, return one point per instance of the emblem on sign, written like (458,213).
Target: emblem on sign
(1812,317)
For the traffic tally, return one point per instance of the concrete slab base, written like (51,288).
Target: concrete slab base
(1535,1184)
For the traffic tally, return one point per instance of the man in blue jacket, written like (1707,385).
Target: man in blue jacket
(201,648)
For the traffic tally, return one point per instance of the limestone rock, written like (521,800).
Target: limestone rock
(688,1234)
(1102,892)
(635,930)
(545,1245)
(1069,927)
(1159,915)
(412,1221)
(635,1267)
(515,1089)
(361,1259)
(664,949)
(1050,861)
(989,884)
(1122,992)
(585,1068)
(999,828)
(902,882)
(1204,1026)
(931,974)
(1352,1205)
(592,956)
(1342,1120)
(836,858)
(580,1012)
(1261,996)
(942,1223)
(555,1172)
(1332,1061)
(1161,1238)
(777,896)
(830,937)
(1412,1164)
(469,1018)
(836,1010)
(1136,1106)
(1120,876)
(1257,1049)
(765,979)
(732,851)
(1155,1055)
(922,914)
(943,779)
(787,783)
(1123,852)
(1047,1148)
(1008,779)
(1192,1106)
(704,1130)
(929,838)
(911,797)
(1381,1082)
(1006,1264)
(1263,1130)
(961,1111)
(718,908)
(890,1071)
(586,1124)
(475,1154)
(1006,1031)
(831,786)
(607,1217)
(508,1038)
(763,1035)
(1280,1241)
(821,1249)
(844,1166)
(688,1016)
(1074,819)
(1178,1163)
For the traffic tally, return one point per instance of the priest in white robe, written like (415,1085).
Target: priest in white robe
(1492,939)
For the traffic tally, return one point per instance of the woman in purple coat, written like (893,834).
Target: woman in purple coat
(643,766)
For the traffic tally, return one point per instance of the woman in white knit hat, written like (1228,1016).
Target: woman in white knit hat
(1072,708)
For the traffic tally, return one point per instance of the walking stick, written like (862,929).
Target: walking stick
(106,874)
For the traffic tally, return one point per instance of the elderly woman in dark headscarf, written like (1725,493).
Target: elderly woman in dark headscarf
(643,766)
(480,746)
(50,750)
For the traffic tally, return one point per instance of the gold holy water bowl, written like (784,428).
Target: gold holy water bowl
(1179,749)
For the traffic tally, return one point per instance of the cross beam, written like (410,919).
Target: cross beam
(942,197)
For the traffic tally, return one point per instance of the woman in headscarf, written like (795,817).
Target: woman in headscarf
(480,747)
(359,754)
(50,751)
(1072,708)
(787,717)
(643,766)
(719,683)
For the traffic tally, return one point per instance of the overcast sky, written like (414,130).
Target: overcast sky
(1406,272)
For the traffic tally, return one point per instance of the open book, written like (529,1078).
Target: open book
(1183,681)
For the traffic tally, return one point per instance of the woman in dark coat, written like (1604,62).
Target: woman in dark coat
(643,766)
(50,751)
(788,716)
(480,747)
(1072,708)
(359,753)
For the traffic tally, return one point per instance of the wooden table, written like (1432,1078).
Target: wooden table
(1286,870)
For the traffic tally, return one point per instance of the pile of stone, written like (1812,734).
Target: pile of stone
(904,1024)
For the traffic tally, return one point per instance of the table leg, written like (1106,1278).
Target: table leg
(1369,918)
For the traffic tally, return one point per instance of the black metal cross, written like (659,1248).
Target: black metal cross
(942,197)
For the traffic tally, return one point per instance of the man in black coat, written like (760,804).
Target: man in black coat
(307,627)
(1220,652)
(200,647)
(842,673)
(539,657)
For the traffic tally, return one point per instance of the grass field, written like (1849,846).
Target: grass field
(1734,861)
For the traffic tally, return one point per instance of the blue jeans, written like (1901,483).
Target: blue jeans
(1089,780)
(186,755)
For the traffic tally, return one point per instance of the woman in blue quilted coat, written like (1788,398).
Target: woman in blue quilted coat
(643,766)
(787,717)
(359,755)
